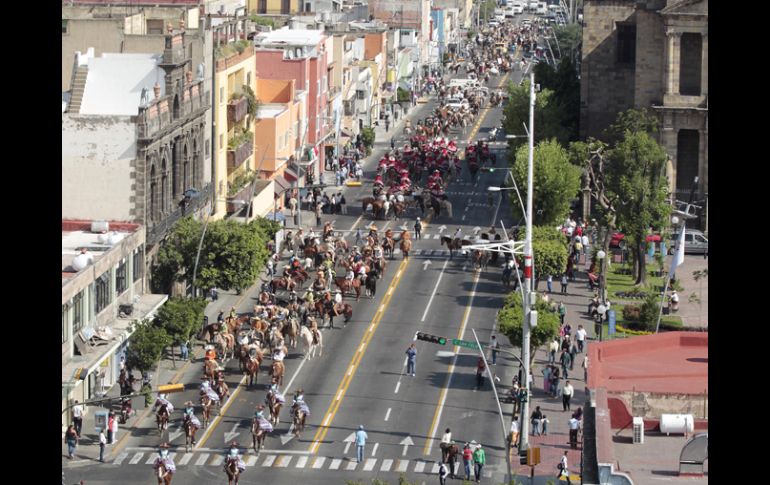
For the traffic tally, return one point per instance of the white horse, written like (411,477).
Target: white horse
(310,347)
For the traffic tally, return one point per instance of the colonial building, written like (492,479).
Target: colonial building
(651,54)
(134,148)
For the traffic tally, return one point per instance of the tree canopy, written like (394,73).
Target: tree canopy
(180,317)
(146,345)
(550,251)
(510,318)
(549,115)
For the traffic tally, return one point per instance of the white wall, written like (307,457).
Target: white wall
(97,152)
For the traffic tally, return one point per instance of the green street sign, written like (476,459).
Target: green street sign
(465,343)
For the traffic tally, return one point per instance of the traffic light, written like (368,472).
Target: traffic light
(523,457)
(431,338)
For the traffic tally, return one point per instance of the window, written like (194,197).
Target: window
(700,239)
(64,311)
(626,46)
(102,292)
(360,94)
(64,31)
(77,313)
(687,158)
(155,26)
(138,263)
(690,58)
(120,278)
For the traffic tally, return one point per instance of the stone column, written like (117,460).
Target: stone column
(673,47)
(704,67)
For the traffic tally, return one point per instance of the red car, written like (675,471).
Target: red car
(618,237)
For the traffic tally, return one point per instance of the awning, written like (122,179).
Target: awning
(278,217)
(281,184)
(290,175)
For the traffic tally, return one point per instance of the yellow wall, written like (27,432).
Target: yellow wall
(273,6)
(231,80)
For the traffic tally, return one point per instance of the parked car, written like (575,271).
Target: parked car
(695,242)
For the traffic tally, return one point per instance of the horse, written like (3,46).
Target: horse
(452,244)
(226,343)
(312,340)
(252,369)
(346,285)
(406,246)
(231,468)
(258,435)
(387,247)
(274,407)
(210,369)
(298,419)
(212,329)
(206,403)
(161,418)
(276,371)
(282,283)
(345,309)
(164,477)
(371,283)
(480,259)
(189,433)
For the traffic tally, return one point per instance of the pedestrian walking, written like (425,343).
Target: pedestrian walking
(270,269)
(580,337)
(442,473)
(549,283)
(71,438)
(585,369)
(574,426)
(343,203)
(562,311)
(536,417)
(547,379)
(572,354)
(184,350)
(102,444)
(479,460)
(214,294)
(480,373)
(564,283)
(563,469)
(566,361)
(566,395)
(110,419)
(514,436)
(544,424)
(114,429)
(554,380)
(467,460)
(77,417)
(411,354)
(494,345)
(553,347)
(359,236)
(417,229)
(361,438)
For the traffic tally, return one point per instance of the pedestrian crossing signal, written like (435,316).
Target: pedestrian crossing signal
(431,338)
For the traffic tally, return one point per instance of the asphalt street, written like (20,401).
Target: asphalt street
(360,378)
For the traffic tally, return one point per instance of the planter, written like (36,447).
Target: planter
(237,110)
(236,157)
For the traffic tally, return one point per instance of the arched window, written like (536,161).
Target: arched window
(195,161)
(186,180)
(163,187)
(177,110)
(153,194)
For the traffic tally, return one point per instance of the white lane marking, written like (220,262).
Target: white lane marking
(427,307)
(136,459)
(386,464)
(251,460)
(369,465)
(150,460)
(398,273)
(202,459)
(419,467)
(382,308)
(374,450)
(186,458)
(467,207)
(397,386)
(335,465)
(326,421)
(218,459)
(351,465)
(436,236)
(371,328)
(319,462)
(361,348)
(387,414)
(402,464)
(463,218)
(432,433)
(119,459)
(301,462)
(284,461)
(269,460)
(350,370)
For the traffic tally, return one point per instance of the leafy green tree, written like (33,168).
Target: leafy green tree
(550,251)
(556,182)
(367,138)
(180,317)
(177,255)
(569,38)
(563,81)
(633,120)
(510,318)
(635,173)
(549,116)
(146,346)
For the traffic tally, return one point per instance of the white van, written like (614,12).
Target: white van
(499,14)
(533,6)
(541,9)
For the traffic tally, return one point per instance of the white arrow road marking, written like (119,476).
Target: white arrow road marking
(476,229)
(348,441)
(285,438)
(406,442)
(425,265)
(425,313)
(442,229)
(174,435)
(230,435)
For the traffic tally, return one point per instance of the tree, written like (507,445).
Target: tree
(180,317)
(549,116)
(636,175)
(569,38)
(367,138)
(564,83)
(510,318)
(550,250)
(146,346)
(633,120)
(556,182)
(176,255)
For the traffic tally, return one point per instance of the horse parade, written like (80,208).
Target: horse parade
(285,347)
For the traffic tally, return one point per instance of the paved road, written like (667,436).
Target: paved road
(360,377)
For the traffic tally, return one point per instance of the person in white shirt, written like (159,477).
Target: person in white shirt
(566,395)
(102,444)
(514,437)
(574,426)
(77,416)
(580,336)
(446,440)
(563,469)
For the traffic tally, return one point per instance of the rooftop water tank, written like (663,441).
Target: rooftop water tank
(82,260)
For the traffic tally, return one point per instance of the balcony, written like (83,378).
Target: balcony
(237,109)
(237,155)
(235,203)
(156,231)
(156,118)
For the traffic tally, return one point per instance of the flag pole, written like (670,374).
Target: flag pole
(662,301)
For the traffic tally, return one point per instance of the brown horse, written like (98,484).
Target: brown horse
(258,435)
(189,433)
(345,309)
(388,246)
(164,476)
(399,209)
(283,283)
(347,286)
(206,404)
(211,329)
(274,407)
(276,371)
(289,331)
(210,370)
(252,370)
(453,244)
(406,246)
(298,419)
(231,468)
(161,418)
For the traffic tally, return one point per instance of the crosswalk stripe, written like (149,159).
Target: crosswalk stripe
(186,458)
(202,459)
(419,467)
(301,462)
(319,462)
(136,458)
(335,464)
(436,236)
(434,470)
(269,460)
(369,465)
(119,459)
(218,459)
(251,460)
(150,459)
(283,461)
(402,464)
(351,465)
(386,464)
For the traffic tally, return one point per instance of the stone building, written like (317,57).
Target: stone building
(650,54)
(132,149)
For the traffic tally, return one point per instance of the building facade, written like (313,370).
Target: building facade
(651,55)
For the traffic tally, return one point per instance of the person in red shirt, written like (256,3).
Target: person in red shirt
(480,373)
(467,460)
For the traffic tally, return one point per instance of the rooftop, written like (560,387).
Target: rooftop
(270,110)
(654,460)
(115,82)
(288,36)
(77,235)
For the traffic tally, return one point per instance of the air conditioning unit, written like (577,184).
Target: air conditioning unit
(100,226)
(126,310)
(638,431)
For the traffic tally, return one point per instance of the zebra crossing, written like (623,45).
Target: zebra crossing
(213,458)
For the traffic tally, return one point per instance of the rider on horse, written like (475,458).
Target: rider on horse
(165,461)
(161,401)
(234,456)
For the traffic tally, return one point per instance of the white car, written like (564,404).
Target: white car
(457,103)
(533,5)
(518,9)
